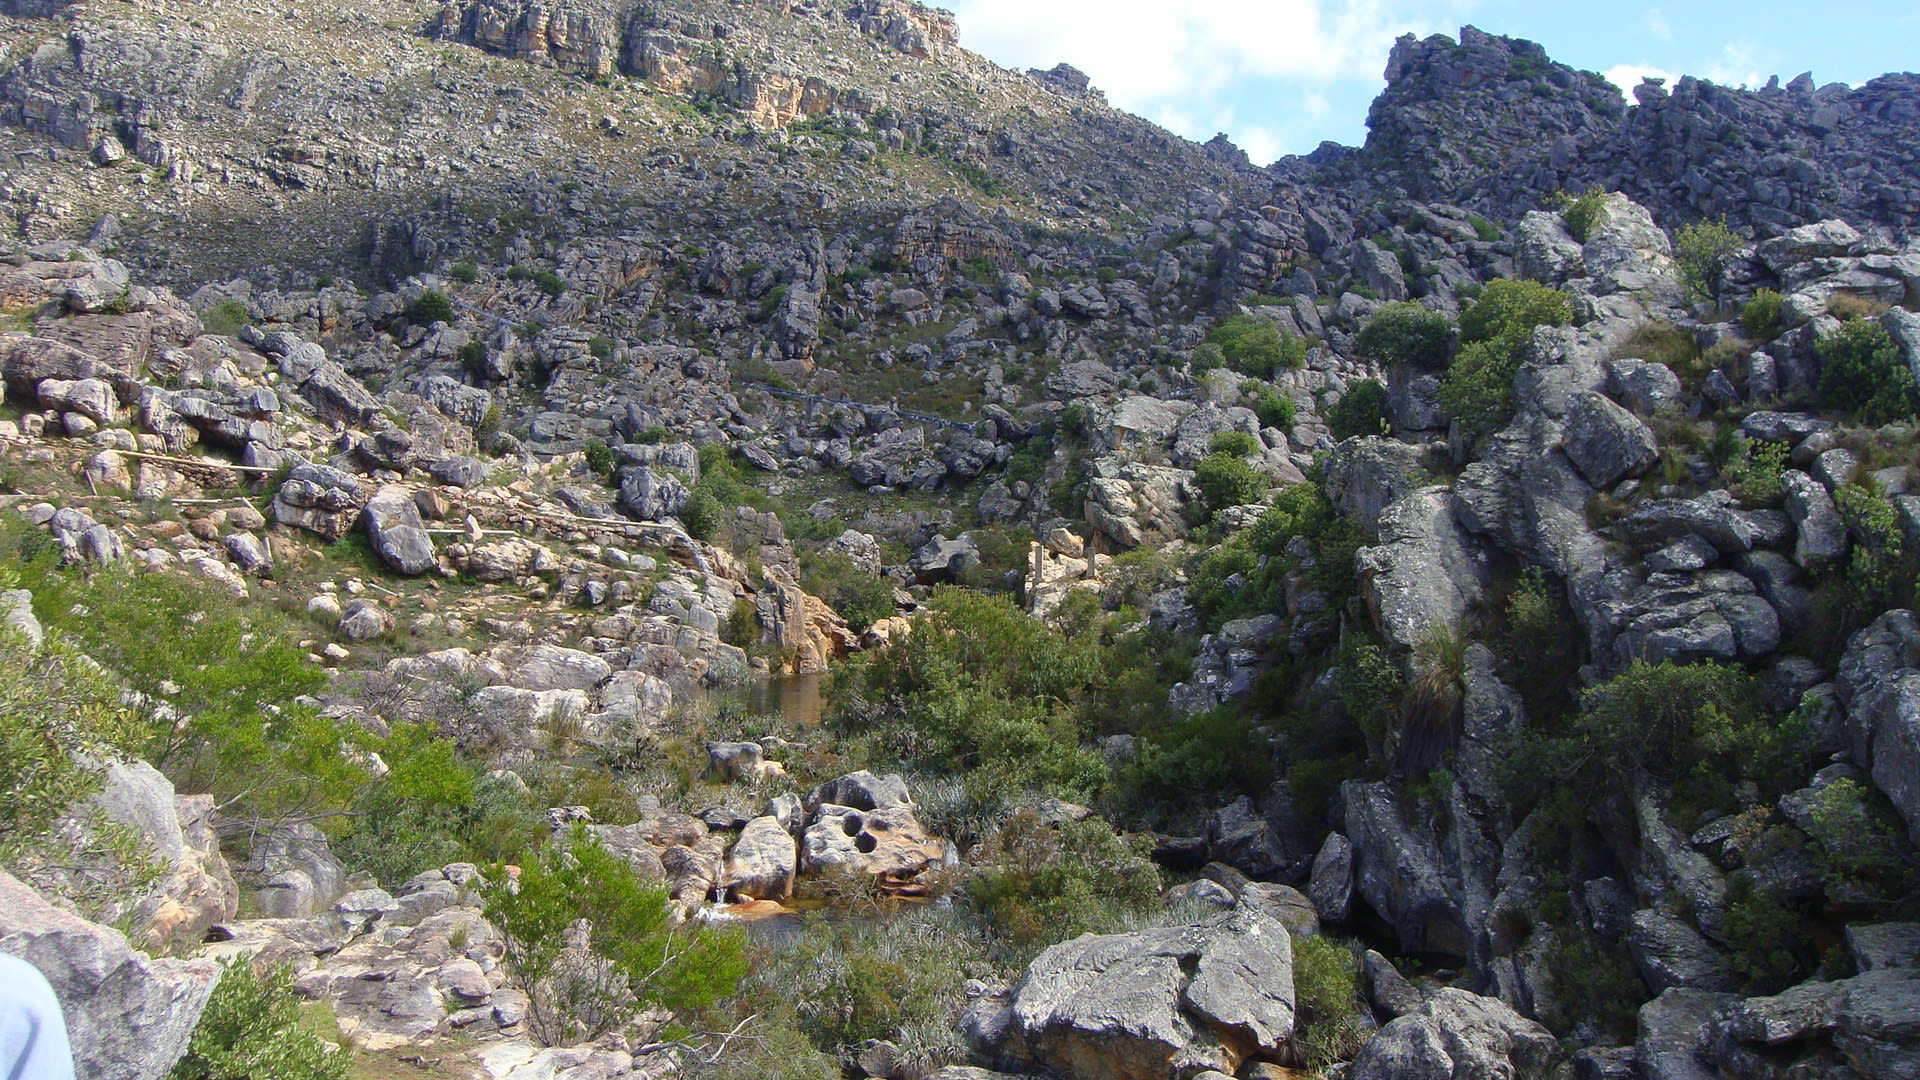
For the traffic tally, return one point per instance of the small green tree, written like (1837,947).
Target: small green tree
(1703,251)
(591,946)
(1227,480)
(1512,308)
(1407,333)
(1362,410)
(1235,442)
(1861,373)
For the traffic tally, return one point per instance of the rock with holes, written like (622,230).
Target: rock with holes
(883,843)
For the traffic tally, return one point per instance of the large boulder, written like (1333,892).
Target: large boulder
(762,863)
(128,1016)
(320,499)
(1154,1005)
(1606,442)
(397,532)
(1879,680)
(1456,1035)
(1426,574)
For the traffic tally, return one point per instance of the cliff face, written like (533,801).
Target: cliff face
(1494,123)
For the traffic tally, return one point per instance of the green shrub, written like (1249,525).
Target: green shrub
(1225,480)
(232,670)
(599,458)
(225,317)
(1485,230)
(632,957)
(1761,317)
(982,689)
(1582,212)
(1765,936)
(1247,574)
(1187,765)
(860,597)
(250,1030)
(430,307)
(1327,1022)
(1255,346)
(1495,331)
(473,357)
(1233,443)
(1407,333)
(1362,410)
(601,347)
(1207,356)
(1703,251)
(466,273)
(517,272)
(1513,307)
(433,811)
(1044,884)
(1029,463)
(549,283)
(1275,410)
(1861,374)
(1755,471)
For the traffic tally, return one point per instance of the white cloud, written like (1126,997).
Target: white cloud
(1182,65)
(1628,76)
(1657,24)
(1737,65)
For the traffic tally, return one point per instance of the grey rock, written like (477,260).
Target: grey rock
(1455,1034)
(128,1016)
(1425,574)
(364,620)
(763,862)
(1782,427)
(1240,836)
(1669,952)
(1672,1033)
(1158,1003)
(862,791)
(1605,441)
(1330,883)
(397,532)
(650,495)
(1645,386)
(1365,476)
(1389,991)
(1884,946)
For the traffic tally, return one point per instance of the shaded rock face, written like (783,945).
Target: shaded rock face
(128,1016)
(1156,1004)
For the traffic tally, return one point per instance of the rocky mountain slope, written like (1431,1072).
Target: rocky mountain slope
(1443,606)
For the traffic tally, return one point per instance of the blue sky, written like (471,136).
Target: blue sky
(1279,76)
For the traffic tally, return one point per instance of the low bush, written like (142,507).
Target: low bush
(1407,333)
(1233,443)
(1861,374)
(1362,410)
(466,273)
(430,307)
(225,317)
(1255,346)
(1227,480)
(1041,884)
(860,597)
(1495,331)
(1580,213)
(591,946)
(1328,1020)
(250,1030)
(1275,410)
(1761,316)
(1703,251)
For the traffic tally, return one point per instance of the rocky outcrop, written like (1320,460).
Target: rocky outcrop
(1456,1034)
(1153,1005)
(128,1016)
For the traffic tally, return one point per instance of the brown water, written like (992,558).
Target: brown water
(797,698)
